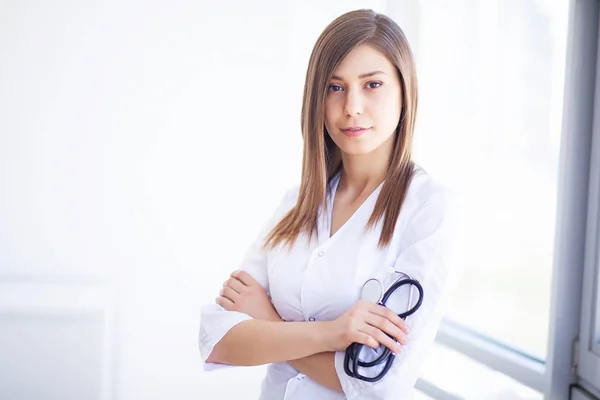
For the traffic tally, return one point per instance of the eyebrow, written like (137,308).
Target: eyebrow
(361,76)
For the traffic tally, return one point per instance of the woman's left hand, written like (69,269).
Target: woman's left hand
(241,292)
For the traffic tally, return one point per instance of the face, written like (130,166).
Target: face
(363,103)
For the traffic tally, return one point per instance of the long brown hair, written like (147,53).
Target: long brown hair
(321,157)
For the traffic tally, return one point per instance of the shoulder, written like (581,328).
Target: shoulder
(431,211)
(424,191)
(429,205)
(290,196)
(292,192)
(287,200)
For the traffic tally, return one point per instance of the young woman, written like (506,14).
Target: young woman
(362,209)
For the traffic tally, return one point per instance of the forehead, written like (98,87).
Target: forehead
(363,59)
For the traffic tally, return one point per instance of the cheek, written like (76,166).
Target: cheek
(331,114)
(387,110)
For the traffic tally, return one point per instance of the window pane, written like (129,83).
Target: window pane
(489,127)
(459,375)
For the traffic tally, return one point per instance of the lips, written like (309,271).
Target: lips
(354,131)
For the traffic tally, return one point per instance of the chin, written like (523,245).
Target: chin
(357,149)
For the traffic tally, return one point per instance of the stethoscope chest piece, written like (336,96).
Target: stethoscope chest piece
(372,291)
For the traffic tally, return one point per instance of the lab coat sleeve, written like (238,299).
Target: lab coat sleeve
(428,253)
(215,321)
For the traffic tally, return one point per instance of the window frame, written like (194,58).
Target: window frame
(588,348)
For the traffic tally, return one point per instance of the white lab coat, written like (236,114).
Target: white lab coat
(324,280)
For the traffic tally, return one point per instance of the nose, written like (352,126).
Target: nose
(354,103)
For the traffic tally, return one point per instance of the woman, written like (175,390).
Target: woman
(362,208)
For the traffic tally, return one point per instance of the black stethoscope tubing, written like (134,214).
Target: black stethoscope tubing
(351,359)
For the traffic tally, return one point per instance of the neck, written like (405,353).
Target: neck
(365,172)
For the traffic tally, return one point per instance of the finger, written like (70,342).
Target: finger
(367,340)
(225,303)
(384,325)
(381,338)
(230,294)
(234,284)
(244,277)
(390,315)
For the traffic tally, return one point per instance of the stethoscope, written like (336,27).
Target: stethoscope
(373,291)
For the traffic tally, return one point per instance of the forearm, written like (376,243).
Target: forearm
(257,342)
(320,368)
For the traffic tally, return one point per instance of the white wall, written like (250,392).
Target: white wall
(142,145)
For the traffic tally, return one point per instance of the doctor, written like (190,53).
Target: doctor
(362,209)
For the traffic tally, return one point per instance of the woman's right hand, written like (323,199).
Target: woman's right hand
(367,323)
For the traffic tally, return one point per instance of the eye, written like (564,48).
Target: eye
(334,88)
(374,85)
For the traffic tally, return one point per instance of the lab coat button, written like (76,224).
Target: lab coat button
(321,253)
(311,319)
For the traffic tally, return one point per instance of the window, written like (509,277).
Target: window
(589,337)
(491,81)
(460,377)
